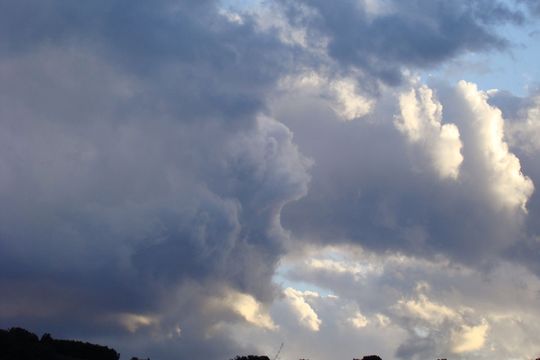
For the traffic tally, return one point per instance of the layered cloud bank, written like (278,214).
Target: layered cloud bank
(412,308)
(201,179)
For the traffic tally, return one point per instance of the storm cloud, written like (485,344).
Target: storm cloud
(136,159)
(162,163)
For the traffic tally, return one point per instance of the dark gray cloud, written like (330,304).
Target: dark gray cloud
(135,160)
(399,34)
(223,67)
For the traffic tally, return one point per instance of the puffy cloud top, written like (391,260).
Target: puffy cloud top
(508,185)
(420,120)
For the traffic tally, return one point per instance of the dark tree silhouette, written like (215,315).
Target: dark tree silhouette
(20,344)
(371,357)
(252,357)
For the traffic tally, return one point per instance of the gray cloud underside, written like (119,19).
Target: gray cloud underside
(402,34)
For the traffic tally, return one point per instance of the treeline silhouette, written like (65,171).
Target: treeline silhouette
(367,357)
(263,357)
(21,344)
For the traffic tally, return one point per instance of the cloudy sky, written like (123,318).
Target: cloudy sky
(196,179)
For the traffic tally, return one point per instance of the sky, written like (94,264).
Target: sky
(199,179)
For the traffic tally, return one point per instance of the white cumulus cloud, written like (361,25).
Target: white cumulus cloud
(484,124)
(470,338)
(244,305)
(342,94)
(301,308)
(420,120)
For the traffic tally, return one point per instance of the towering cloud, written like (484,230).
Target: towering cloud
(382,195)
(488,150)
(420,120)
(162,162)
